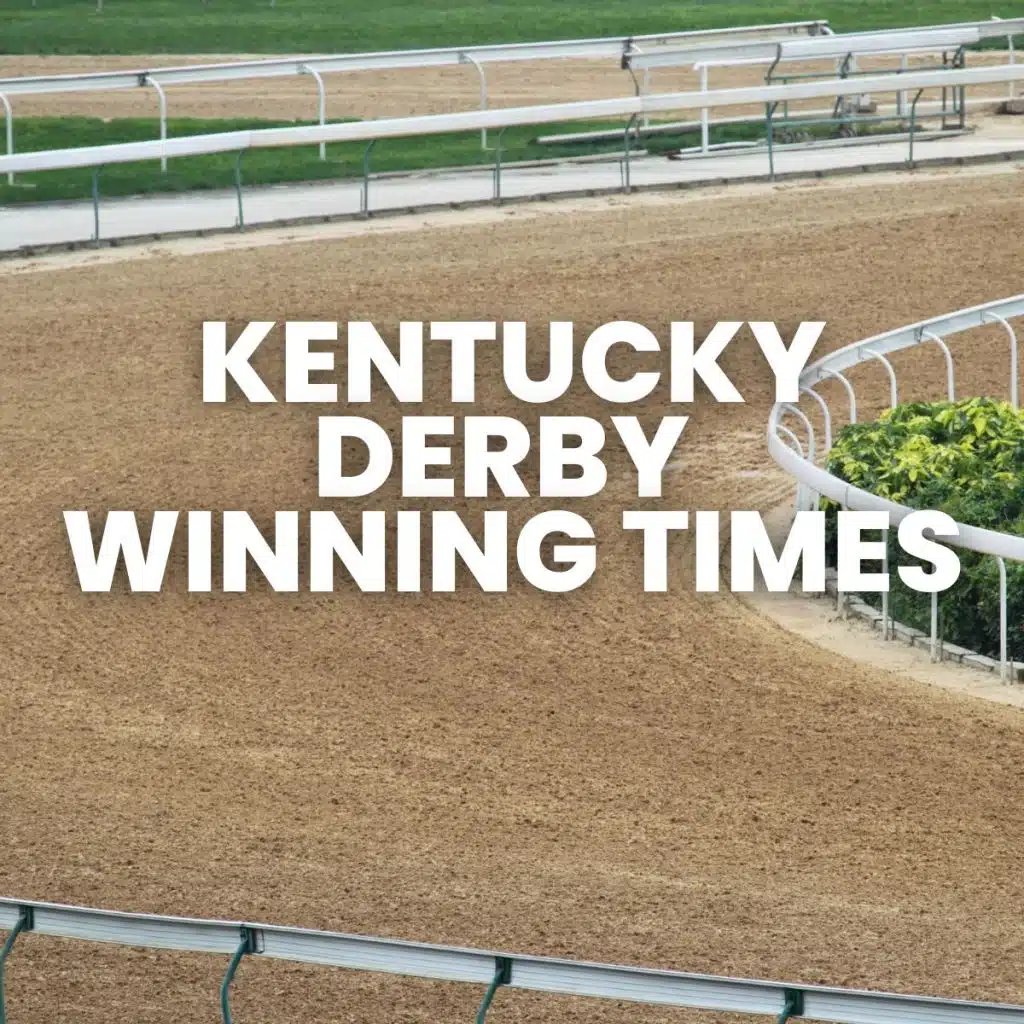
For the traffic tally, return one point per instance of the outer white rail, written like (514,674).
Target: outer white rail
(229,142)
(613,46)
(484,967)
(820,47)
(815,480)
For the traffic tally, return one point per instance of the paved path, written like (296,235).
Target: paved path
(50,224)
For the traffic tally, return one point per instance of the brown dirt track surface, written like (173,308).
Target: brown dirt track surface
(669,780)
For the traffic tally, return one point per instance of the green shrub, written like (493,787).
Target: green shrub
(964,458)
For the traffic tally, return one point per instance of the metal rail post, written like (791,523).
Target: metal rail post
(996,318)
(96,204)
(704,129)
(950,382)
(885,593)
(23,924)
(497,165)
(935,626)
(825,414)
(466,58)
(9,125)
(1003,674)
(502,976)
(792,1005)
(1012,59)
(769,110)
(625,163)
(364,195)
(849,391)
(893,394)
(913,121)
(321,101)
(238,189)
(163,117)
(246,945)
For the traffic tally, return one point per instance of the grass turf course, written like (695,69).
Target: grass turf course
(318,26)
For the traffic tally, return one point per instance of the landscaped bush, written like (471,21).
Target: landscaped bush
(965,458)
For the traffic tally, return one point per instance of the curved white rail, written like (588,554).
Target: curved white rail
(814,480)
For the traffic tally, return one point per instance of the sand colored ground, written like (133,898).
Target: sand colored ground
(397,93)
(671,780)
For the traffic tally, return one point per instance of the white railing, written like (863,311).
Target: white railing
(467,121)
(814,481)
(316,66)
(932,38)
(492,969)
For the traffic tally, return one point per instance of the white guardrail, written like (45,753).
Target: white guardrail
(494,970)
(467,121)
(932,38)
(814,481)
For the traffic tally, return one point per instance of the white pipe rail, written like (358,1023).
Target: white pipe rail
(815,48)
(614,47)
(482,967)
(401,127)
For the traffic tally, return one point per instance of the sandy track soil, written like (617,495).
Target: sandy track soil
(385,94)
(669,780)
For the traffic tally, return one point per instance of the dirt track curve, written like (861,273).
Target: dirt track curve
(666,780)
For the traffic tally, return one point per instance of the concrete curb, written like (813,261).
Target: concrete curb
(856,608)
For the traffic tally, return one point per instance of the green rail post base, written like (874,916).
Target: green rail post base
(247,945)
(497,165)
(364,197)
(913,122)
(238,189)
(793,1006)
(23,924)
(625,162)
(502,976)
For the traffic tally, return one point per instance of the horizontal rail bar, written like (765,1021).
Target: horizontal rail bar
(539,974)
(474,120)
(382,60)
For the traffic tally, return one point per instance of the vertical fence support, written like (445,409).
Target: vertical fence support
(792,1005)
(1003,666)
(995,318)
(769,111)
(849,391)
(497,165)
(502,976)
(901,97)
(893,393)
(1012,60)
(704,132)
(238,189)
(321,101)
(950,382)
(795,441)
(246,945)
(885,593)
(162,96)
(466,58)
(626,187)
(364,195)
(826,415)
(23,924)
(935,626)
(913,122)
(96,204)
(9,126)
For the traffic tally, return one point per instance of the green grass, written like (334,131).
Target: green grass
(271,166)
(319,26)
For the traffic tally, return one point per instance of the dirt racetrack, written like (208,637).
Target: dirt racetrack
(668,780)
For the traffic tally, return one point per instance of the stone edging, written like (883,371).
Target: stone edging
(854,606)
